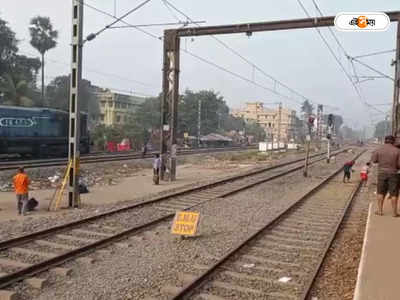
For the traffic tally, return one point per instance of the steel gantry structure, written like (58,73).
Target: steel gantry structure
(170,96)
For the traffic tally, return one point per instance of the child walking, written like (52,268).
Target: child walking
(364,172)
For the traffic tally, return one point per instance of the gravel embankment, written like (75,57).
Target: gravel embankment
(155,258)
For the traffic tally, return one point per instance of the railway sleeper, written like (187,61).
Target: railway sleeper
(296,230)
(285,235)
(261,283)
(231,291)
(294,241)
(261,251)
(289,248)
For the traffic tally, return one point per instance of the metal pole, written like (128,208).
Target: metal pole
(74,110)
(319,124)
(328,158)
(199,123)
(169,105)
(279,124)
(396,93)
(308,142)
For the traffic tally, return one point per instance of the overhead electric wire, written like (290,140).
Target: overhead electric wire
(122,21)
(235,52)
(375,53)
(117,19)
(372,68)
(90,70)
(155,24)
(238,75)
(205,60)
(356,88)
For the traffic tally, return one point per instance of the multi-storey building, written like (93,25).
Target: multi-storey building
(115,108)
(268,119)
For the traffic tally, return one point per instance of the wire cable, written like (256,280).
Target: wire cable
(253,65)
(375,53)
(93,35)
(356,88)
(122,21)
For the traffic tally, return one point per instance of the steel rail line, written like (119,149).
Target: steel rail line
(19,275)
(192,287)
(10,165)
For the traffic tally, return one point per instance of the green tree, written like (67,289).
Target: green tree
(148,114)
(337,121)
(15,91)
(57,93)
(8,47)
(43,38)
(252,128)
(17,72)
(213,112)
(307,109)
(382,129)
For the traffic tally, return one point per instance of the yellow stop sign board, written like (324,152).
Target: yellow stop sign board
(185,223)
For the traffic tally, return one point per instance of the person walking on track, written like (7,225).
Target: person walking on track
(347,171)
(156,169)
(21,185)
(388,159)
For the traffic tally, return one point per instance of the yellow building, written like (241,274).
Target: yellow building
(115,108)
(268,119)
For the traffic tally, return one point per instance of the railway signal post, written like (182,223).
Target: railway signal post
(74,110)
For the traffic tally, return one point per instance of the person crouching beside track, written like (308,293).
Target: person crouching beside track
(388,159)
(156,169)
(347,169)
(21,185)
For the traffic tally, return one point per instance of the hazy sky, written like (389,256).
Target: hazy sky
(126,59)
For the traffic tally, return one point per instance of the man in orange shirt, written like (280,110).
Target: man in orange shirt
(21,186)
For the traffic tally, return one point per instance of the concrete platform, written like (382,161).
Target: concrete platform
(379,269)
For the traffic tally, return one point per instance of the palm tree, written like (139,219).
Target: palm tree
(43,38)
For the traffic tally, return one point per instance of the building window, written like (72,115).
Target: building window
(125,119)
(103,104)
(102,117)
(118,119)
(123,105)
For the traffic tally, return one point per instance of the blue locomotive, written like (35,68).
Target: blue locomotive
(37,131)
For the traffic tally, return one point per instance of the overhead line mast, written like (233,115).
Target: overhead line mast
(74,108)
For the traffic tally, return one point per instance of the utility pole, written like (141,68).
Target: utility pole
(279,123)
(74,110)
(396,93)
(199,124)
(319,124)
(310,123)
(329,136)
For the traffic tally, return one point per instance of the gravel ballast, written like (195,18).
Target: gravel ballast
(155,258)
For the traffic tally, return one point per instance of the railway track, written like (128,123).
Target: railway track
(25,256)
(87,159)
(280,259)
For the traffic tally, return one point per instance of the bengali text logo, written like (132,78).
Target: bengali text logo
(372,21)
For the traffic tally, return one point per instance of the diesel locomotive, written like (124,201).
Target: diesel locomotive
(38,132)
